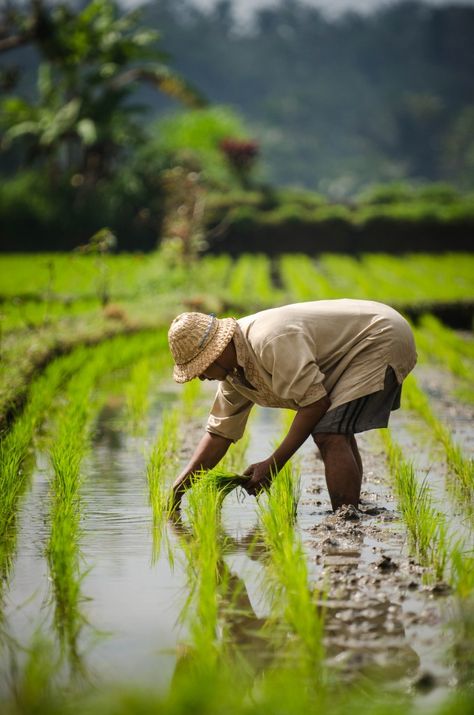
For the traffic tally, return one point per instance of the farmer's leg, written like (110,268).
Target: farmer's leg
(343,474)
(356,453)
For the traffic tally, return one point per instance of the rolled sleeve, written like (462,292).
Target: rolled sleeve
(289,358)
(229,413)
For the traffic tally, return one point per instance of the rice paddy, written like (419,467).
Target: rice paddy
(112,603)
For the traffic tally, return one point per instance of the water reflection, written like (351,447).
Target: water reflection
(243,635)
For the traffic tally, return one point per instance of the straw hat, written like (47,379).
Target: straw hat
(196,340)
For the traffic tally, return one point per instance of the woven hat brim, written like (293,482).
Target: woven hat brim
(221,338)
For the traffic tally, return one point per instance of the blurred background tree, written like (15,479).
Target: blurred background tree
(78,134)
(332,105)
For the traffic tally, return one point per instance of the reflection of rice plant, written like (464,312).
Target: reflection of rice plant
(294,600)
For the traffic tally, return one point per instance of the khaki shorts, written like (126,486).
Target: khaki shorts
(368,412)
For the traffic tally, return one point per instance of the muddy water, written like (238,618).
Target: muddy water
(380,616)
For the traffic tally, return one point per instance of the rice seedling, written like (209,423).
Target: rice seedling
(461,467)
(137,394)
(189,397)
(250,282)
(62,549)
(345,275)
(67,452)
(161,461)
(203,555)
(444,347)
(302,279)
(295,602)
(430,539)
(16,459)
(426,526)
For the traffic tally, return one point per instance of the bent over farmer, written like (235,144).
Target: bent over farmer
(338,363)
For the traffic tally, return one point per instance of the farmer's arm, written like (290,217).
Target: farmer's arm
(209,452)
(226,424)
(305,421)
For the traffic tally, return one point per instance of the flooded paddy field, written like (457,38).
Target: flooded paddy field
(386,617)
(275,605)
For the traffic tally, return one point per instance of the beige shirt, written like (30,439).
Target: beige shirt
(294,355)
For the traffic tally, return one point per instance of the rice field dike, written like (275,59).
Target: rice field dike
(113,603)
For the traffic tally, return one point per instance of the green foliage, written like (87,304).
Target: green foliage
(81,131)
(196,135)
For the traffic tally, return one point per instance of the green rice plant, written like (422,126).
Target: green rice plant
(462,571)
(303,280)
(62,549)
(137,393)
(19,313)
(234,460)
(67,452)
(203,556)
(160,462)
(189,397)
(426,526)
(346,276)
(294,601)
(16,459)
(444,347)
(459,466)
(250,282)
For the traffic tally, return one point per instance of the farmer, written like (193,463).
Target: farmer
(338,363)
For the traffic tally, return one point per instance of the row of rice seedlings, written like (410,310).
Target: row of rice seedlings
(137,393)
(18,313)
(346,276)
(78,275)
(67,453)
(16,458)
(427,526)
(302,280)
(62,549)
(203,552)
(437,343)
(460,466)
(161,460)
(210,271)
(250,282)
(295,601)
(415,277)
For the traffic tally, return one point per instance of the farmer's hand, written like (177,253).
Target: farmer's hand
(261,475)
(176,496)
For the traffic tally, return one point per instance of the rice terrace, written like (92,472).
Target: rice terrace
(274,604)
